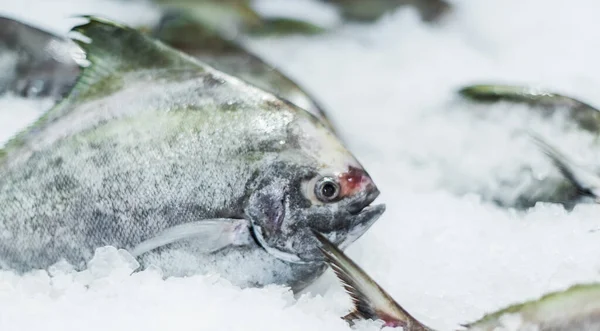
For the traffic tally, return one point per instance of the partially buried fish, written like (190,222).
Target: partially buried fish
(578,184)
(188,168)
(576,308)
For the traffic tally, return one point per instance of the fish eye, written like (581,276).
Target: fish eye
(327,189)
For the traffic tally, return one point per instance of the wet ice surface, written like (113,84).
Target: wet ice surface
(447,255)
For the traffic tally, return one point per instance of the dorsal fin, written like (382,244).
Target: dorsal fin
(112,48)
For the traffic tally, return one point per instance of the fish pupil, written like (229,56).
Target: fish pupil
(328,190)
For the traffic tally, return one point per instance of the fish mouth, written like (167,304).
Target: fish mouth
(363,200)
(363,222)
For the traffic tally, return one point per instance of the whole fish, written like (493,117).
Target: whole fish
(188,168)
(576,308)
(578,184)
(35,63)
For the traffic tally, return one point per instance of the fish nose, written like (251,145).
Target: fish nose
(355,181)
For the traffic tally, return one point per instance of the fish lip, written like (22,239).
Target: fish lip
(365,219)
(363,201)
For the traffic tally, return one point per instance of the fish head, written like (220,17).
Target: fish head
(315,185)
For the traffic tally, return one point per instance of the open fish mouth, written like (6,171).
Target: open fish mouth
(363,201)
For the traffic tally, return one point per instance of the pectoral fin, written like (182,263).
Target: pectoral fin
(211,235)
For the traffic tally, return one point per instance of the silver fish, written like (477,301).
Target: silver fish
(577,184)
(574,309)
(160,154)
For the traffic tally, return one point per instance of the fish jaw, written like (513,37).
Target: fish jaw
(363,222)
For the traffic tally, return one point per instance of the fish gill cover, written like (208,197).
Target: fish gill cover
(391,89)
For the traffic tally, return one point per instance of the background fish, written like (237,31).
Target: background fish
(190,35)
(577,184)
(576,308)
(231,18)
(35,63)
(189,168)
(360,10)
(583,114)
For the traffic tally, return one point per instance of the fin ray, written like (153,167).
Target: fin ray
(369,299)
(214,234)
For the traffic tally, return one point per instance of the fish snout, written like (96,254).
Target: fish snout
(359,188)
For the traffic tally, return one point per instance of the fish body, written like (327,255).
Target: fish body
(231,18)
(191,169)
(576,308)
(191,35)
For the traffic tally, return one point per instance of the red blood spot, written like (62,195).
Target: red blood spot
(352,181)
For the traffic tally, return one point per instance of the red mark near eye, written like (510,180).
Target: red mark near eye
(353,180)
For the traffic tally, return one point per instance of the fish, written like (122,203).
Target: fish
(576,184)
(363,11)
(570,185)
(234,18)
(191,170)
(190,35)
(35,63)
(583,114)
(575,308)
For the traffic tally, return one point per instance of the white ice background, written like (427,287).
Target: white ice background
(441,249)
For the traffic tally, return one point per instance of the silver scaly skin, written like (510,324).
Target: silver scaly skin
(190,169)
